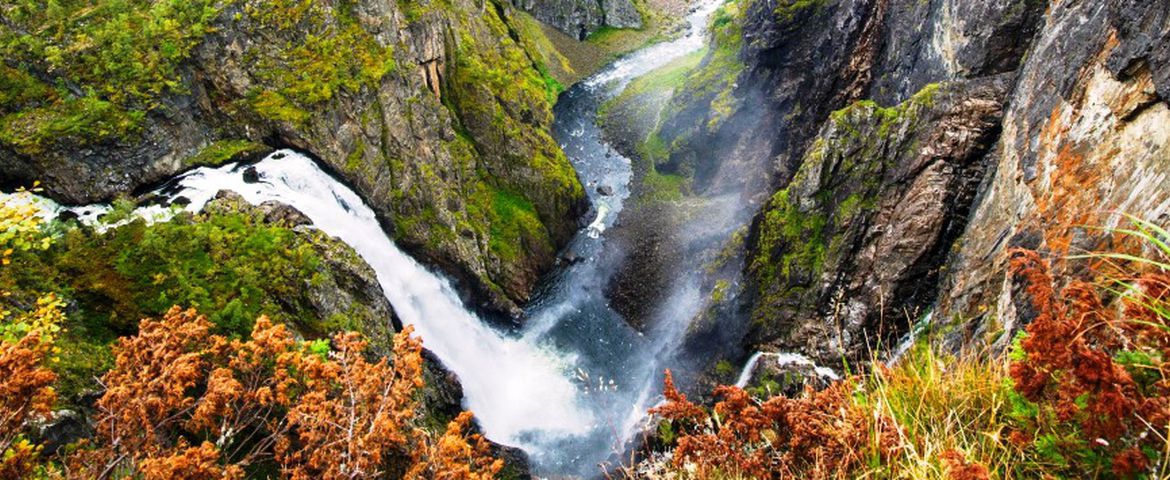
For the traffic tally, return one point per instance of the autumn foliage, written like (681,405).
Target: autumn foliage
(819,435)
(1092,374)
(1083,393)
(182,402)
(26,346)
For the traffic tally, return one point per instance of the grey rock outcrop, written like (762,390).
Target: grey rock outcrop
(579,18)
(1086,140)
(850,251)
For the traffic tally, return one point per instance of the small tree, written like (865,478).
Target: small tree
(26,344)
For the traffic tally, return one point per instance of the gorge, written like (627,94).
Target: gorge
(566,199)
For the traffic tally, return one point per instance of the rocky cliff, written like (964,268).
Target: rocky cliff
(909,144)
(434,112)
(579,18)
(1086,140)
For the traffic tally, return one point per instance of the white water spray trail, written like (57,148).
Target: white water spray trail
(512,386)
(781,359)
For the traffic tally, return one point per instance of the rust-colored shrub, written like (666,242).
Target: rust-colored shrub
(268,401)
(25,393)
(959,468)
(1091,376)
(819,435)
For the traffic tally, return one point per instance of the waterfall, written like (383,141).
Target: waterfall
(513,387)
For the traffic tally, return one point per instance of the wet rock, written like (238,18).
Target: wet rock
(283,214)
(605,190)
(251,175)
(786,374)
(571,257)
(645,251)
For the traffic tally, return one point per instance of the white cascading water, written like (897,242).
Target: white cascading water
(512,386)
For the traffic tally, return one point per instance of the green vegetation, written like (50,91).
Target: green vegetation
(702,96)
(84,71)
(80,72)
(787,10)
(231,265)
(639,108)
(515,226)
(311,69)
(552,65)
(797,236)
(713,83)
(661,81)
(502,97)
(224,151)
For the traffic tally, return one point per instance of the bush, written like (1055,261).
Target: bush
(182,402)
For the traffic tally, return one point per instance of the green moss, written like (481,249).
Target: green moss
(787,10)
(309,70)
(554,67)
(224,151)
(658,187)
(797,235)
(116,57)
(719,293)
(724,368)
(81,120)
(515,226)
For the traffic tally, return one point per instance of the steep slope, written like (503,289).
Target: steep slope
(1086,140)
(879,124)
(433,111)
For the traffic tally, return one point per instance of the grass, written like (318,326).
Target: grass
(941,403)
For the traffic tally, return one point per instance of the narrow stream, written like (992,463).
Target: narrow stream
(572,386)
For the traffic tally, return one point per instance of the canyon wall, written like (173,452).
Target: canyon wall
(436,112)
(909,144)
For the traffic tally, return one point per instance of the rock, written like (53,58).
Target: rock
(786,374)
(852,247)
(62,428)
(251,175)
(571,257)
(1085,141)
(579,18)
(605,190)
(283,214)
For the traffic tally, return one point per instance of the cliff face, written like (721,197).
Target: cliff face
(1086,140)
(911,143)
(579,18)
(434,111)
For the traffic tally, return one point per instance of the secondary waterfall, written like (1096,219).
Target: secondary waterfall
(572,385)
